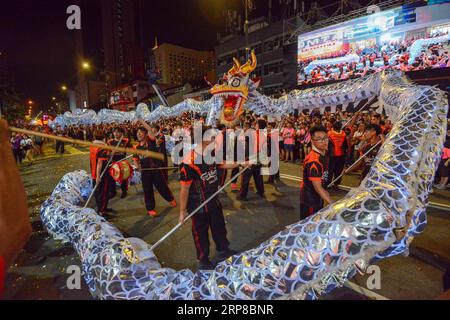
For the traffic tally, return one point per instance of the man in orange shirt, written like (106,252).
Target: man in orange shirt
(338,149)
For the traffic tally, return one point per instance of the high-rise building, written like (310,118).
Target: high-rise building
(122,41)
(178,65)
(110,40)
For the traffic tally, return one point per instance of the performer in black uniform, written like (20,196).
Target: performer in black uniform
(161,148)
(125,143)
(255,170)
(313,191)
(98,160)
(151,178)
(199,181)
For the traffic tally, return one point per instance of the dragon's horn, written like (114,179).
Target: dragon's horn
(236,66)
(250,65)
(237,63)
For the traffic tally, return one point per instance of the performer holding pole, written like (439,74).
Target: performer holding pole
(147,141)
(119,141)
(313,191)
(99,165)
(151,154)
(255,170)
(369,151)
(199,195)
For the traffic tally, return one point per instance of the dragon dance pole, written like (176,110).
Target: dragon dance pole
(151,154)
(368,103)
(168,234)
(357,161)
(159,168)
(126,158)
(103,173)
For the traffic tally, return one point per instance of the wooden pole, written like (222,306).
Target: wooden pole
(151,154)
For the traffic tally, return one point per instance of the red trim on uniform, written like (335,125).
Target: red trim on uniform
(315,179)
(197,169)
(197,241)
(186,183)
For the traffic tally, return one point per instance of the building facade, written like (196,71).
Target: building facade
(276,62)
(178,65)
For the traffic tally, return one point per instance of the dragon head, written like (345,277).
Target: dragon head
(234,88)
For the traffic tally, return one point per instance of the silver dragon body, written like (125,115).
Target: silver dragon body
(377,220)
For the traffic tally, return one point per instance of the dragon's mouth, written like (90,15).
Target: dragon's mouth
(232,106)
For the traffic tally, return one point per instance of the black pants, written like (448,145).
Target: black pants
(101,194)
(18,155)
(307,210)
(274,177)
(222,175)
(60,146)
(202,221)
(157,179)
(254,171)
(112,191)
(234,172)
(336,167)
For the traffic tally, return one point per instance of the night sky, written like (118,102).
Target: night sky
(40,48)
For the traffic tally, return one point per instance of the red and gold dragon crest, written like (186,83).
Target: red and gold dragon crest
(234,88)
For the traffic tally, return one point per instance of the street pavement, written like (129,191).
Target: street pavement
(40,270)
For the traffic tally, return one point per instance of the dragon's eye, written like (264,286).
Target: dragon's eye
(236,82)
(223,81)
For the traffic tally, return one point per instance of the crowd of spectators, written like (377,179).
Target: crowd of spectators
(294,138)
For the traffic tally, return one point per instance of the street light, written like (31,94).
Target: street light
(54,98)
(64,88)
(86,65)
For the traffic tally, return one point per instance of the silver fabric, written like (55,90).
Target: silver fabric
(377,220)
(330,95)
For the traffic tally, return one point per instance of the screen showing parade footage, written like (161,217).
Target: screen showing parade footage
(407,38)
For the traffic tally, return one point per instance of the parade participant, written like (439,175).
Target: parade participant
(313,191)
(161,144)
(371,138)
(59,144)
(119,133)
(27,146)
(98,160)
(444,167)
(199,181)
(271,141)
(16,140)
(255,169)
(234,172)
(337,149)
(15,227)
(150,178)
(221,143)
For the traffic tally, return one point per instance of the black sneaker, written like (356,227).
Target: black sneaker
(205,265)
(124,195)
(241,198)
(224,255)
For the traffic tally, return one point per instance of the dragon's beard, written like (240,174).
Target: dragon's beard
(232,110)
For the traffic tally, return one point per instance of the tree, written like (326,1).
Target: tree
(12,105)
